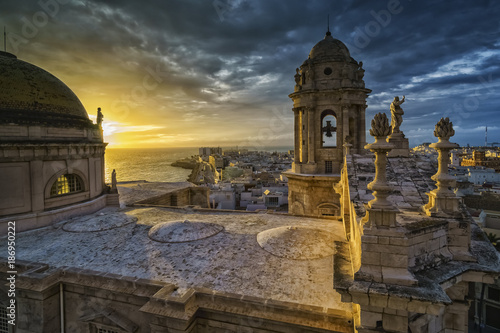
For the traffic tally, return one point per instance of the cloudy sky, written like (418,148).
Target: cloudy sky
(218,72)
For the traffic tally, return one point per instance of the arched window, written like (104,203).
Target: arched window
(66,184)
(329,128)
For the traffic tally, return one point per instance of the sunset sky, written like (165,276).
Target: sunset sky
(184,73)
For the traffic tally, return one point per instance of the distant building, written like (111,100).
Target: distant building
(207,151)
(455,159)
(275,199)
(479,176)
(223,197)
(479,159)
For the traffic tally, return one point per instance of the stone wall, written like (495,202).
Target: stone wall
(42,219)
(191,196)
(428,245)
(97,299)
(29,170)
(309,195)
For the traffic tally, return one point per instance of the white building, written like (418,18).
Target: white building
(455,159)
(223,198)
(275,199)
(480,175)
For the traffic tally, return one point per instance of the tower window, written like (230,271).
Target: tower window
(328,166)
(327,71)
(66,184)
(329,128)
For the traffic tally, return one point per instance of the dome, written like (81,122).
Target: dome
(31,95)
(300,243)
(330,49)
(183,231)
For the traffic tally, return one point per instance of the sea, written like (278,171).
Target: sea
(154,164)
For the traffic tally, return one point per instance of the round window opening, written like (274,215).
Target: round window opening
(327,71)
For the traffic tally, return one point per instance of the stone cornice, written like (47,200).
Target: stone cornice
(49,151)
(328,92)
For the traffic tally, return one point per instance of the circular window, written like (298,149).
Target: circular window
(327,71)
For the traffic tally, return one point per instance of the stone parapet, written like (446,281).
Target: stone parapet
(150,305)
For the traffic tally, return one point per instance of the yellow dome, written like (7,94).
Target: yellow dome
(31,95)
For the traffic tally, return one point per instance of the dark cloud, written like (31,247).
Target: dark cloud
(223,66)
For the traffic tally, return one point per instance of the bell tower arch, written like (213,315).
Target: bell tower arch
(329,102)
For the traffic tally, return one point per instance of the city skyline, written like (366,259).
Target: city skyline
(185,74)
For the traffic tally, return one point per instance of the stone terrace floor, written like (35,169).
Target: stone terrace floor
(116,240)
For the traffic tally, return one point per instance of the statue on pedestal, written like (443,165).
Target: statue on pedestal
(113,181)
(99,117)
(397,137)
(397,114)
(297,77)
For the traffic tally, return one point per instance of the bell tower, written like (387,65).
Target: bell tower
(329,102)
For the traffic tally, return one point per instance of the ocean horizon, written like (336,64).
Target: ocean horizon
(155,164)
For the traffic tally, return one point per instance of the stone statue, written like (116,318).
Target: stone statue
(99,117)
(397,114)
(297,77)
(360,72)
(113,181)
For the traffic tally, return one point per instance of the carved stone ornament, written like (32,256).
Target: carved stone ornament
(380,126)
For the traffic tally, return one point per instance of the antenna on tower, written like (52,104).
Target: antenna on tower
(4,39)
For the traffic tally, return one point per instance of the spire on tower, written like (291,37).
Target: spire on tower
(328,33)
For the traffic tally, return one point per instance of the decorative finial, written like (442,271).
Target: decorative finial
(381,211)
(380,126)
(444,129)
(442,201)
